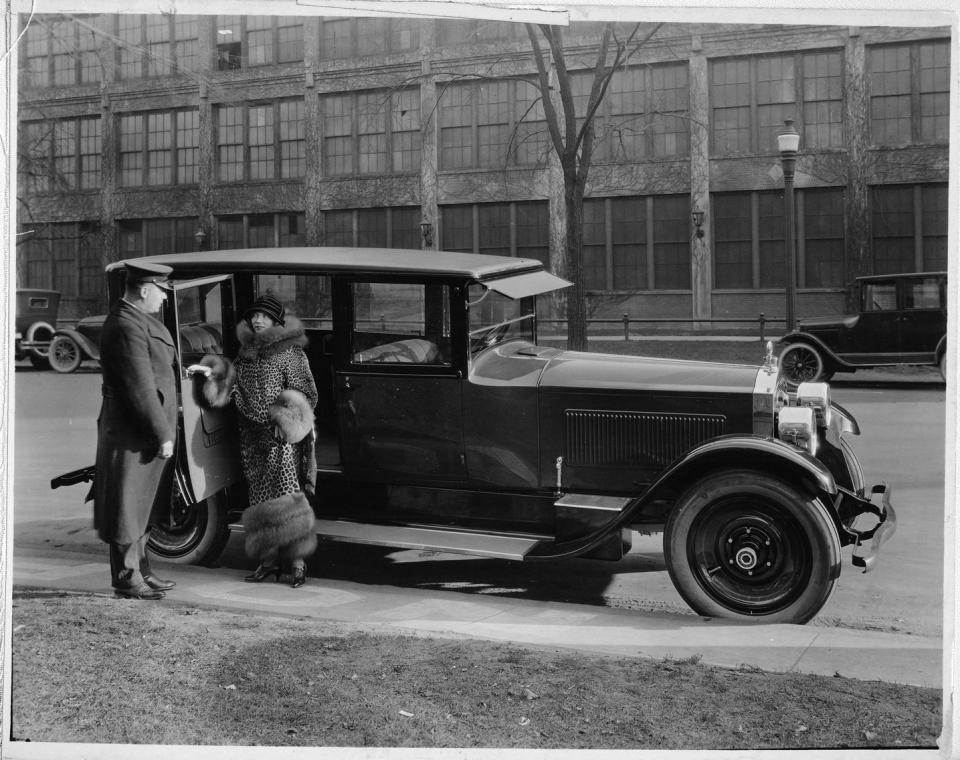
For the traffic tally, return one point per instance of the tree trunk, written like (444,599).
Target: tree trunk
(576,296)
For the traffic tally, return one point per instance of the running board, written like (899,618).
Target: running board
(479,544)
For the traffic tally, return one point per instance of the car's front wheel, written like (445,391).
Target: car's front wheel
(191,534)
(64,354)
(743,544)
(802,363)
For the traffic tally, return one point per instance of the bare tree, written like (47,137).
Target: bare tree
(572,136)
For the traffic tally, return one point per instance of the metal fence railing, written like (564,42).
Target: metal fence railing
(684,323)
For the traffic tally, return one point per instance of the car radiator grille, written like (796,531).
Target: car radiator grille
(635,438)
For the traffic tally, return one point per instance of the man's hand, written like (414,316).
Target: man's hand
(166,450)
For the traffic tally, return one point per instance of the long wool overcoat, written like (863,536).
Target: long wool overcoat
(139,412)
(269,362)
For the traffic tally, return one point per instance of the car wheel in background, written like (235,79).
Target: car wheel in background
(802,363)
(64,355)
(38,332)
(743,544)
(191,535)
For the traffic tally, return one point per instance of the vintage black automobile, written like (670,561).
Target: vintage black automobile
(70,346)
(443,425)
(899,319)
(35,324)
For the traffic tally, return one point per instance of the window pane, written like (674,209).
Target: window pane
(371,127)
(131,149)
(594,244)
(627,125)
(289,40)
(230,143)
(493,123)
(457,226)
(336,39)
(733,266)
(456,118)
(372,228)
(90,138)
(405,227)
(773,265)
(935,215)
(669,120)
(494,224)
(893,239)
(338,228)
(158,235)
(188,142)
(823,237)
(889,72)
(158,52)
(405,127)
(260,231)
(230,232)
(671,242)
(533,230)
(292,139)
(934,92)
(159,143)
(259,40)
(65,153)
(629,235)
(730,96)
(822,100)
(130,44)
(338,134)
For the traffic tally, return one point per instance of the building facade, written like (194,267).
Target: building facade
(142,134)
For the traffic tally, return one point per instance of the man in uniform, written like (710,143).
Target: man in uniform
(136,429)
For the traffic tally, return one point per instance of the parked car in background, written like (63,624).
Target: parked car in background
(899,319)
(35,324)
(69,347)
(442,425)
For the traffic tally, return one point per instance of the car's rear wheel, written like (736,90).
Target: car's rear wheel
(802,363)
(191,535)
(64,355)
(746,545)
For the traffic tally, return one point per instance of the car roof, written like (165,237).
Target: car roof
(869,277)
(344,260)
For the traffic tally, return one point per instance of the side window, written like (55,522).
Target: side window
(306,296)
(200,321)
(880,296)
(405,323)
(922,294)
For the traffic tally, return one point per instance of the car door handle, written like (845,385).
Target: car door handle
(349,385)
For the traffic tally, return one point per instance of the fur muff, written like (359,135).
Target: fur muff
(217,386)
(291,415)
(284,525)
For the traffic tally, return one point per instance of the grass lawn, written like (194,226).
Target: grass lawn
(91,668)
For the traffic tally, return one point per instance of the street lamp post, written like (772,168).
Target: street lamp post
(789,142)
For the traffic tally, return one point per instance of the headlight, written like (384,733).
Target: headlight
(817,397)
(798,425)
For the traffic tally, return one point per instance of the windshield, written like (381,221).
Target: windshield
(494,318)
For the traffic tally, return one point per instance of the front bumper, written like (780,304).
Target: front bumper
(869,523)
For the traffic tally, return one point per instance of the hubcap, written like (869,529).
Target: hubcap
(749,554)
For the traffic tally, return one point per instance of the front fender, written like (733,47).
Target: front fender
(813,340)
(87,346)
(754,451)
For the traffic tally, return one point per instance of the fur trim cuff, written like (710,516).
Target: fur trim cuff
(217,387)
(291,416)
(284,525)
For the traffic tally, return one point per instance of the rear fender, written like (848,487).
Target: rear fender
(87,346)
(829,357)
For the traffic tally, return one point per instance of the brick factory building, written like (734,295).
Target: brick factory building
(142,134)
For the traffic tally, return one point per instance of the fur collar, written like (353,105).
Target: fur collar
(272,341)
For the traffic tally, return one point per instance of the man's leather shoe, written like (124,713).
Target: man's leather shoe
(142,591)
(157,584)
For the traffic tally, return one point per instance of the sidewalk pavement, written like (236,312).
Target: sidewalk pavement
(814,649)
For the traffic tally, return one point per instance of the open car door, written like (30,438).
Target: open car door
(203,313)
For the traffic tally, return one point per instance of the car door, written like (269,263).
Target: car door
(203,313)
(398,393)
(923,320)
(876,336)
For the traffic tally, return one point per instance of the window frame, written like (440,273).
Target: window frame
(235,55)
(280,164)
(174,149)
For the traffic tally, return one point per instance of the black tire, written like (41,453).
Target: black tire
(942,366)
(742,544)
(64,355)
(191,535)
(802,363)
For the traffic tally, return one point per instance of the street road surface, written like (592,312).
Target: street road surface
(902,443)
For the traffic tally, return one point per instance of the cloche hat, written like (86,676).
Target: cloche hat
(269,306)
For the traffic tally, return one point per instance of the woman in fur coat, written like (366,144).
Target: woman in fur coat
(275,394)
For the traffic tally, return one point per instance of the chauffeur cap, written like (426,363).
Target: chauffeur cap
(146,272)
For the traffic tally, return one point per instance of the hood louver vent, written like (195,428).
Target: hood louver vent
(635,438)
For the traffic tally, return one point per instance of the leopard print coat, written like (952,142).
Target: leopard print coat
(269,362)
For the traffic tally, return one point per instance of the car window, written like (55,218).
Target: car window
(404,323)
(880,296)
(308,296)
(495,318)
(922,293)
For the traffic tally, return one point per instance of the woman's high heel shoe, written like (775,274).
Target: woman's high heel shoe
(299,577)
(262,573)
